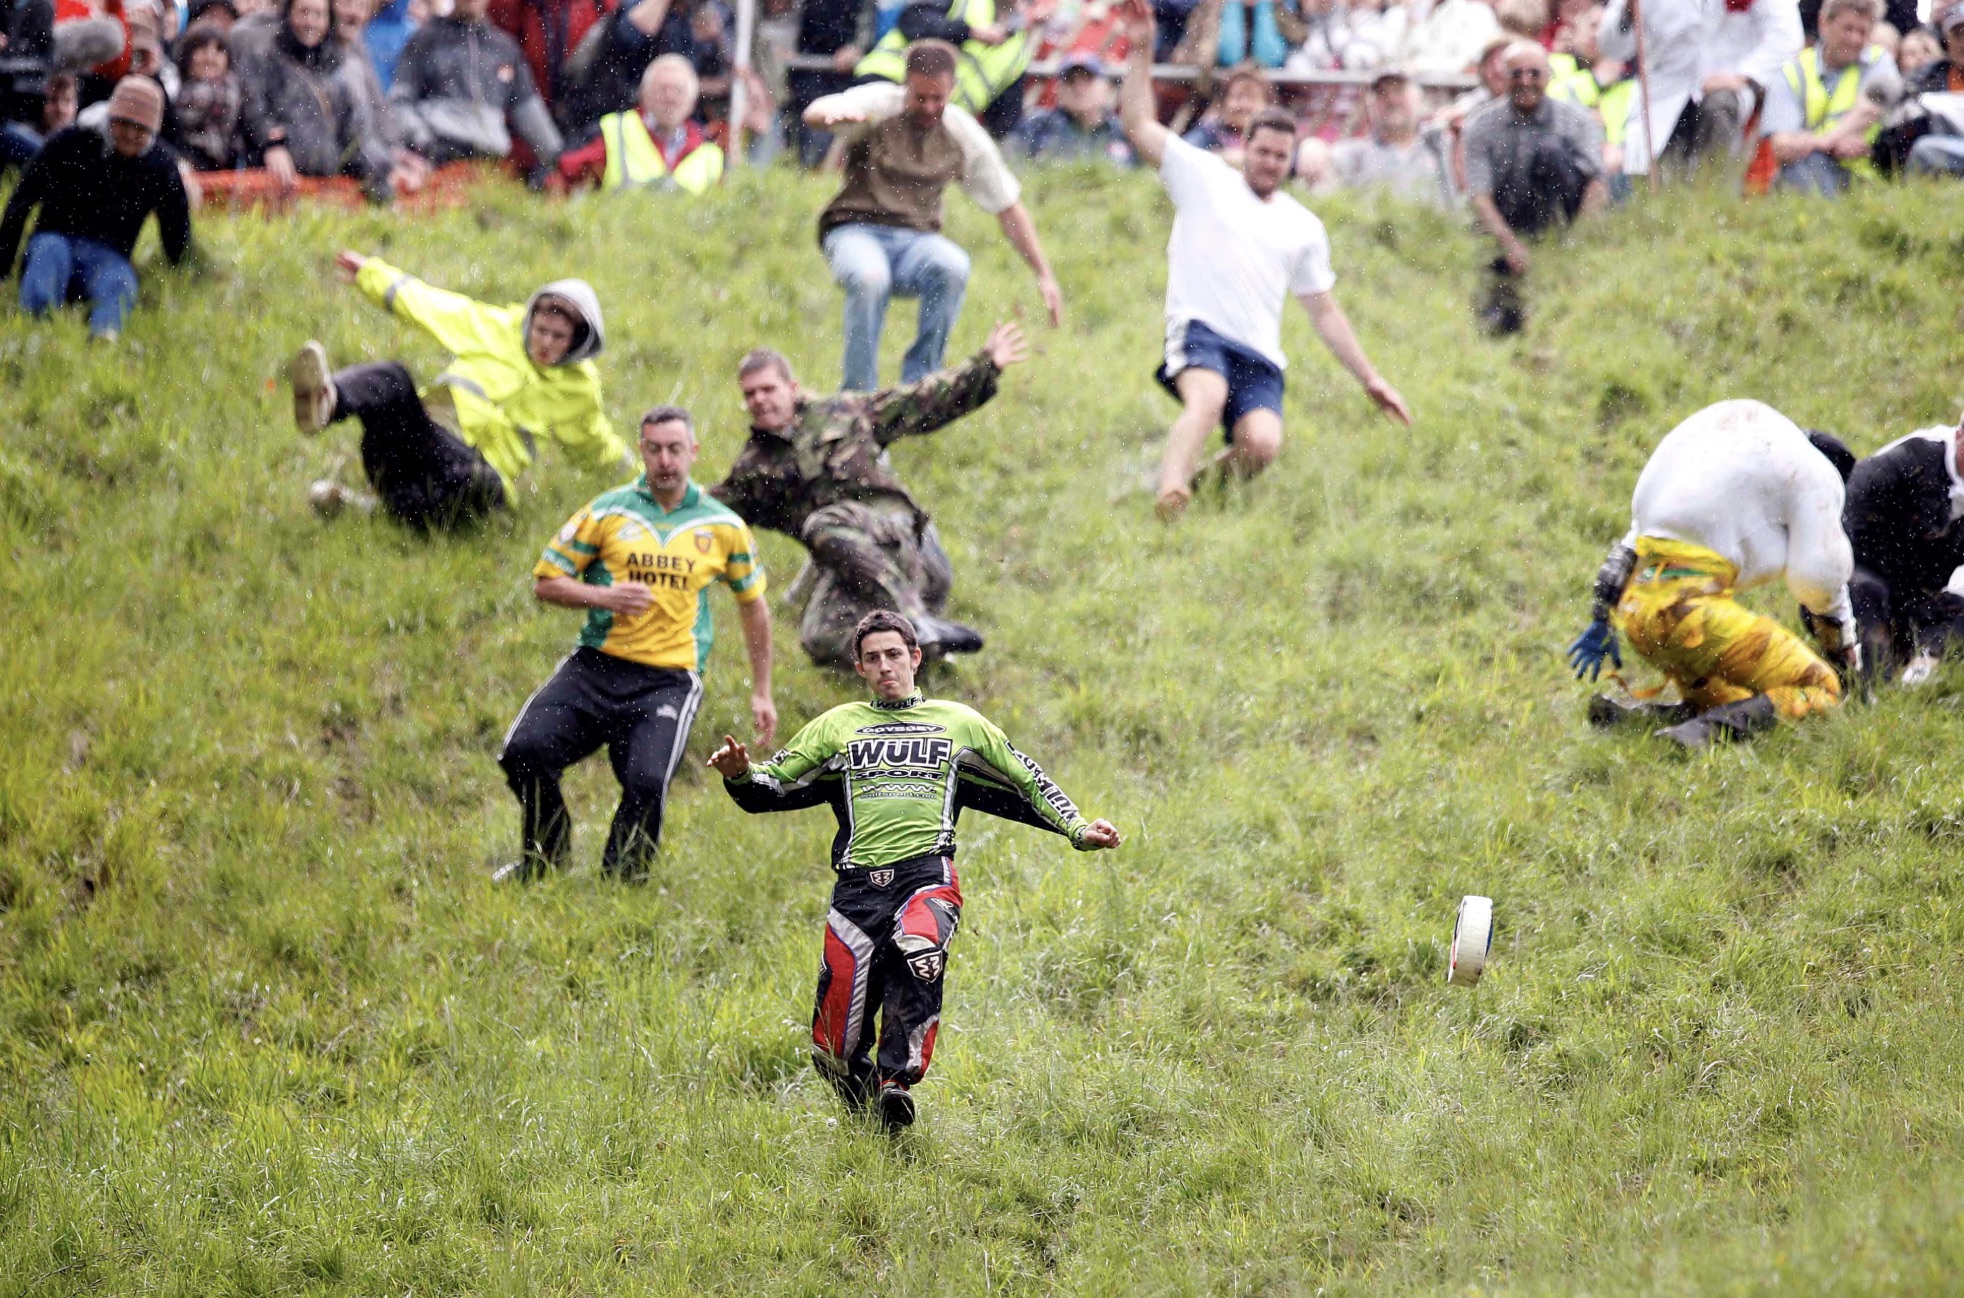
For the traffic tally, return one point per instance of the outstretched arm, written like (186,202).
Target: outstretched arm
(1333,327)
(1021,231)
(1052,806)
(946,395)
(457,322)
(1598,640)
(1135,96)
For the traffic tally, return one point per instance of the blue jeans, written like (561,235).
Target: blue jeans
(875,262)
(61,270)
(1816,174)
(1941,155)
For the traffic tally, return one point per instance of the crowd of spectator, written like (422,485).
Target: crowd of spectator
(1524,113)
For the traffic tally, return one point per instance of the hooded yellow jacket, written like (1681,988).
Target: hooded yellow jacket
(492,394)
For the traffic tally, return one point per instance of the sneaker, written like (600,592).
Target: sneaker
(939,637)
(513,872)
(313,389)
(1920,670)
(896,1106)
(329,498)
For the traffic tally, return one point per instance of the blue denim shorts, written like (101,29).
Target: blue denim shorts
(1254,382)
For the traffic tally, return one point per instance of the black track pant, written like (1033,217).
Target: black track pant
(886,953)
(425,474)
(1899,621)
(642,714)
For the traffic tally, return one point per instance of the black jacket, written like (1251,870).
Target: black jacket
(458,85)
(612,83)
(1898,514)
(87,190)
(29,28)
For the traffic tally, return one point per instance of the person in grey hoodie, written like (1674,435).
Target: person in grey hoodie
(462,89)
(301,114)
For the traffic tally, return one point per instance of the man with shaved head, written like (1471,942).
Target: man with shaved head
(1532,163)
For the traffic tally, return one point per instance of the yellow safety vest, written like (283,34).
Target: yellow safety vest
(1579,86)
(1569,81)
(634,161)
(1615,108)
(1822,111)
(982,72)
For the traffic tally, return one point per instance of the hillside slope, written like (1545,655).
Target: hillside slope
(266,1027)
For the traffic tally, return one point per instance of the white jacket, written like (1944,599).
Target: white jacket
(1687,41)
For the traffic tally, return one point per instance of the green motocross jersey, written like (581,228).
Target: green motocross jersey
(898,774)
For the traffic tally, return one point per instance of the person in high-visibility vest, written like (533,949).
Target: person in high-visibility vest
(656,146)
(1825,108)
(1590,80)
(992,55)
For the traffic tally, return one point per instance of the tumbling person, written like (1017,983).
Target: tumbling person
(1734,497)
(896,771)
(1904,503)
(450,453)
(1239,247)
(640,559)
(816,469)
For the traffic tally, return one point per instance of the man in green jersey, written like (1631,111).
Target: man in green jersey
(897,772)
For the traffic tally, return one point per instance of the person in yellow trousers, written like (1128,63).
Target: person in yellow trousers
(655,146)
(452,451)
(1734,497)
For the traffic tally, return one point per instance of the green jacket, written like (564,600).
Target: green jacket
(897,776)
(492,393)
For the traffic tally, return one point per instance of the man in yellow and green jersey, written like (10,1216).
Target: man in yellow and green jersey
(640,560)
(897,771)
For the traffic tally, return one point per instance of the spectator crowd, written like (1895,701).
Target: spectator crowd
(1523,113)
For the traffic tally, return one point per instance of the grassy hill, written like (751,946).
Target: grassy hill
(266,1027)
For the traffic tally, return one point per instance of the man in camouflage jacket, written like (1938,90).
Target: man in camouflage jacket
(816,468)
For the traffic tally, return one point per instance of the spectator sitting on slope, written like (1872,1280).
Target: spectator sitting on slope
(95,189)
(1082,125)
(1825,109)
(657,147)
(521,375)
(19,142)
(1393,157)
(462,89)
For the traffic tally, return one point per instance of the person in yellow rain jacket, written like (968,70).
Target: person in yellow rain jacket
(452,451)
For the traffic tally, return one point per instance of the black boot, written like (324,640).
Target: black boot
(1725,723)
(1606,713)
(938,637)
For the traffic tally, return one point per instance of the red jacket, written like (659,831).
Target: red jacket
(549,31)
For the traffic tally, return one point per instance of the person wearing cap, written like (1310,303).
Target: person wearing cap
(1240,248)
(639,561)
(1825,110)
(1082,125)
(94,190)
(1735,497)
(658,147)
(882,233)
(1533,163)
(452,452)
(1394,157)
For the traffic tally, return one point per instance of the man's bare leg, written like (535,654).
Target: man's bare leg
(1203,395)
(1257,441)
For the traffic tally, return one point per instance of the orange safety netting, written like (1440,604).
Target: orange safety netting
(238,191)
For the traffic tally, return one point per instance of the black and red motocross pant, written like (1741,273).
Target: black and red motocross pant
(886,954)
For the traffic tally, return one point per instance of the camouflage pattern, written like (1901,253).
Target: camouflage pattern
(835,450)
(826,481)
(868,557)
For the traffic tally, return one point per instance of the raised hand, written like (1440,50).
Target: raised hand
(732,760)
(1006,345)
(349,264)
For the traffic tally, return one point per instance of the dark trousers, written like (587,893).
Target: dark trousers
(886,954)
(1899,621)
(425,474)
(642,714)
(868,558)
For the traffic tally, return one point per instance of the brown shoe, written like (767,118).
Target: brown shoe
(313,389)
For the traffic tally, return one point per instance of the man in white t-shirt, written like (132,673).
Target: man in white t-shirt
(1239,248)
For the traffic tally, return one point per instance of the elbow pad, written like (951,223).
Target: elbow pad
(1613,576)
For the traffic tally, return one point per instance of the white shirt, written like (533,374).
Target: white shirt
(1448,36)
(1234,259)
(985,177)
(1742,480)
(1687,41)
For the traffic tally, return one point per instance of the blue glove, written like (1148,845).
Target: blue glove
(1591,647)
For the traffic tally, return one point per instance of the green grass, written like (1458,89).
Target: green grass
(266,1027)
